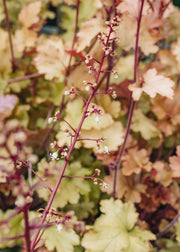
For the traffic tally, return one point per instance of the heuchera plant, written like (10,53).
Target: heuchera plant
(89,126)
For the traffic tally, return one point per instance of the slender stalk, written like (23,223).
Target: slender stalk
(12,238)
(132,105)
(75,35)
(109,73)
(34,243)
(27,230)
(26,77)
(31,169)
(168,227)
(10,37)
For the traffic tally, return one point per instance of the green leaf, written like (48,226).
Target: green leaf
(144,125)
(61,241)
(72,188)
(67,16)
(49,91)
(82,209)
(115,230)
(177,226)
(15,227)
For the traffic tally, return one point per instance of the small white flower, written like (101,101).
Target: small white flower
(20,201)
(97,119)
(87,88)
(114,95)
(107,52)
(116,75)
(50,120)
(59,227)
(53,144)
(66,92)
(105,186)
(95,182)
(87,61)
(106,149)
(54,155)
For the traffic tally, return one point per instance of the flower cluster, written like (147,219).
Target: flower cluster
(55,155)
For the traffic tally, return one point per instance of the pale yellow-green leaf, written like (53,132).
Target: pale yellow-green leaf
(5,64)
(174,19)
(71,188)
(15,227)
(115,230)
(74,112)
(177,226)
(176,51)
(144,125)
(113,138)
(91,129)
(111,107)
(63,241)
(124,68)
(68,15)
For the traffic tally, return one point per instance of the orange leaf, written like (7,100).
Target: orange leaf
(153,84)
(175,163)
(29,14)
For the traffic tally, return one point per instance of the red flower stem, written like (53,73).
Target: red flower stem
(84,177)
(61,118)
(10,38)
(97,61)
(35,238)
(132,105)
(26,77)
(27,230)
(12,238)
(106,71)
(39,238)
(90,139)
(29,167)
(80,97)
(41,226)
(75,34)
(68,176)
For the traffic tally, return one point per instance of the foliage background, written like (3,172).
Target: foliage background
(46,69)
